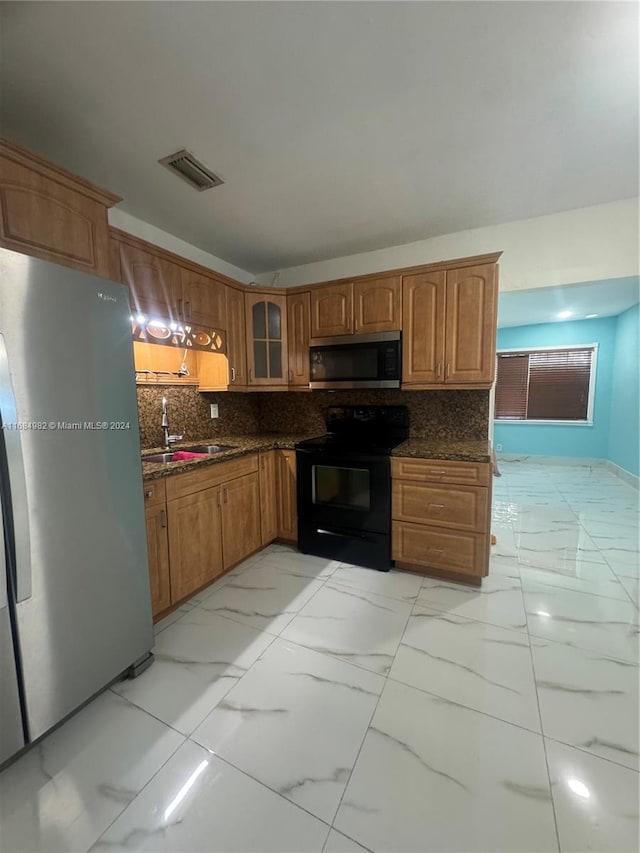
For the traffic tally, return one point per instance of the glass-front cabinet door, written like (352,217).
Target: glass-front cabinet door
(266,317)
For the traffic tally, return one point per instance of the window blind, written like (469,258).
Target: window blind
(544,384)
(511,386)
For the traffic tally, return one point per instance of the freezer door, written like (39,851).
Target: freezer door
(83,603)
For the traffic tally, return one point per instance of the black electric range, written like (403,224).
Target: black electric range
(344,485)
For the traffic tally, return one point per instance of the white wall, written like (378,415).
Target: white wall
(146,231)
(588,244)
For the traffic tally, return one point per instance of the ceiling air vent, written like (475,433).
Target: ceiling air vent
(185,165)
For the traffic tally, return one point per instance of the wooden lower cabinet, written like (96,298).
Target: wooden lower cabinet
(158,549)
(287,503)
(268,492)
(240,512)
(441,515)
(155,506)
(459,507)
(431,547)
(209,523)
(195,541)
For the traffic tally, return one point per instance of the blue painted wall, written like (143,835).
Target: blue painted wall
(560,439)
(624,425)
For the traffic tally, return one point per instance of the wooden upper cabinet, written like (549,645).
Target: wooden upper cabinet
(298,331)
(240,518)
(49,213)
(154,283)
(202,300)
(266,320)
(332,310)
(470,350)
(236,338)
(423,312)
(115,270)
(377,305)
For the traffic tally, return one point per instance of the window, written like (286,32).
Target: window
(550,384)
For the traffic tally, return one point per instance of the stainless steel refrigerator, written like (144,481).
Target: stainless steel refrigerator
(75,608)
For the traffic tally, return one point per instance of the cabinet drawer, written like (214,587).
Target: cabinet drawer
(154,492)
(462,507)
(431,470)
(460,552)
(210,475)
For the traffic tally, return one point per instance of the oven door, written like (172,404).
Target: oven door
(344,506)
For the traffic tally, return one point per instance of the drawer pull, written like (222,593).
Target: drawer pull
(436,550)
(436,473)
(437,506)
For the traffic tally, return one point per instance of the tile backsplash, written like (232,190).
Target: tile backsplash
(432,414)
(189,413)
(454,415)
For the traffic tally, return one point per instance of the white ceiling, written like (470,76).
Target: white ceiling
(544,305)
(337,127)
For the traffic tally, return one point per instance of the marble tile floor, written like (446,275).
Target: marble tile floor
(300,704)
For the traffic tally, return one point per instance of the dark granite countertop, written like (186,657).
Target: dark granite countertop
(454,451)
(242,445)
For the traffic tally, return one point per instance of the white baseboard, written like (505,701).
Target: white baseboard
(582,462)
(625,475)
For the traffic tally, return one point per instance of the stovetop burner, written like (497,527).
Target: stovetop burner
(364,429)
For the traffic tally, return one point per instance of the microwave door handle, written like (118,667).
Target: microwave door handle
(13,483)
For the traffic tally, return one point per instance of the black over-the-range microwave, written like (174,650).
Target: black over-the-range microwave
(356,361)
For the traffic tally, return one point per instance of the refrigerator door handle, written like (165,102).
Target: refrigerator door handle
(18,514)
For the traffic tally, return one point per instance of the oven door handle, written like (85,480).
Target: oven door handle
(351,535)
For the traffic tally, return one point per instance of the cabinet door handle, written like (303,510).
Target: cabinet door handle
(219,497)
(233,374)
(290,375)
(438,370)
(149,494)
(180,307)
(448,371)
(187,306)
(356,324)
(226,496)
(250,374)
(163,518)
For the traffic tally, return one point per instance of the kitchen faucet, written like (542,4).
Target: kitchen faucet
(168,439)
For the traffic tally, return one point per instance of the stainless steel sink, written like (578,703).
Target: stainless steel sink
(158,457)
(211,449)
